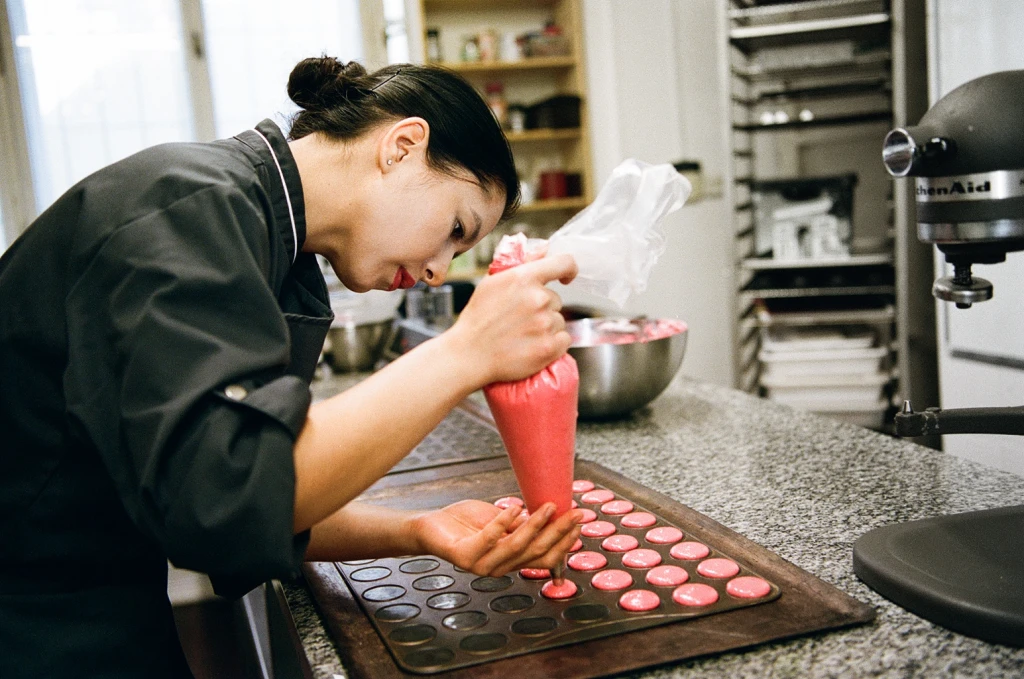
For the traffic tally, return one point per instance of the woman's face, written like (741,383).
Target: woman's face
(416,220)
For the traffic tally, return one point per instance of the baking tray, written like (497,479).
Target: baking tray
(799,603)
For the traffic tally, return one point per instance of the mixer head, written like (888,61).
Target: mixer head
(967,155)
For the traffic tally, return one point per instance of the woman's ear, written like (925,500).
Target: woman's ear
(405,140)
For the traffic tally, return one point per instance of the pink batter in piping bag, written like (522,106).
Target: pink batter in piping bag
(536,417)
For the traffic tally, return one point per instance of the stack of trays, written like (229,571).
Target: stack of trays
(834,371)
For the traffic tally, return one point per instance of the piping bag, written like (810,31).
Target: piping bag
(615,242)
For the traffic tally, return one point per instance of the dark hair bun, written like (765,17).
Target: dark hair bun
(319,82)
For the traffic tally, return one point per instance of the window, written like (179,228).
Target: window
(97,80)
(252,46)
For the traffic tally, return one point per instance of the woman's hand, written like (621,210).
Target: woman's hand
(480,538)
(512,327)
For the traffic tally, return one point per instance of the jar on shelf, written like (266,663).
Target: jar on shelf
(488,43)
(470,48)
(434,45)
(497,103)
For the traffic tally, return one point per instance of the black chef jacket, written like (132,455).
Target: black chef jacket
(158,330)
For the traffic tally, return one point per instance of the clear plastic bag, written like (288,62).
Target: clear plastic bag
(617,239)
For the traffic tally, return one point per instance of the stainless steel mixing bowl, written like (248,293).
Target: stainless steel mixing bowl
(616,379)
(357,347)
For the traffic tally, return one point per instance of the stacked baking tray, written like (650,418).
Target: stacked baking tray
(837,371)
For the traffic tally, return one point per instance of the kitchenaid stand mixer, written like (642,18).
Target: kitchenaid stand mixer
(962,571)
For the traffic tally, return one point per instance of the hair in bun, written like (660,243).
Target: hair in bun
(343,101)
(319,82)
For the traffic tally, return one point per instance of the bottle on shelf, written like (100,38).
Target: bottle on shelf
(497,103)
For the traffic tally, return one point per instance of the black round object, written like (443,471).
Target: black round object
(433,582)
(488,584)
(429,657)
(412,634)
(534,627)
(384,593)
(465,620)
(512,603)
(370,574)
(397,613)
(448,600)
(419,566)
(483,643)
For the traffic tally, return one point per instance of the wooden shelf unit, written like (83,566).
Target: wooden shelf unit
(526,80)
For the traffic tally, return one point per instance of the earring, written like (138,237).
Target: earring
(389,161)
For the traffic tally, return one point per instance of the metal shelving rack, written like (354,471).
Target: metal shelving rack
(813,74)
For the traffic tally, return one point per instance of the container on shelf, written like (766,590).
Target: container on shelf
(803,218)
(556,112)
(821,362)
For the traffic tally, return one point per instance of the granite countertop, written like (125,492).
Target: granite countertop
(804,487)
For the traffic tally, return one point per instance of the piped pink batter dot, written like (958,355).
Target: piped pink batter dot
(582,486)
(664,535)
(587,561)
(617,507)
(576,546)
(588,515)
(640,558)
(506,502)
(611,580)
(563,591)
(638,520)
(597,529)
(597,497)
(620,543)
(695,594)
(575,504)
(639,600)
(535,573)
(524,515)
(689,551)
(718,568)
(667,576)
(748,587)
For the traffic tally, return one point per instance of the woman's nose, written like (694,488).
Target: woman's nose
(437,270)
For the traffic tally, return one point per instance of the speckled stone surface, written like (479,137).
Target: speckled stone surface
(804,487)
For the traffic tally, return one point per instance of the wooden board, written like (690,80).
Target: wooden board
(807,604)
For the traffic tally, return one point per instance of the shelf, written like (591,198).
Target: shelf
(527,64)
(764,264)
(546,134)
(779,293)
(877,85)
(863,27)
(794,6)
(574,203)
(858,119)
(869,62)
(852,316)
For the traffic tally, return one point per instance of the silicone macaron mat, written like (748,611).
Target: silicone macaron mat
(654,582)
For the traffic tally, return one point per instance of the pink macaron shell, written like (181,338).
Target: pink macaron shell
(588,515)
(638,520)
(587,561)
(695,594)
(617,507)
(576,546)
(598,497)
(597,529)
(506,502)
(667,576)
(639,600)
(664,535)
(641,558)
(566,589)
(535,573)
(582,486)
(689,551)
(620,543)
(748,587)
(611,580)
(718,568)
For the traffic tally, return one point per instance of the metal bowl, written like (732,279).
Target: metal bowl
(354,348)
(616,379)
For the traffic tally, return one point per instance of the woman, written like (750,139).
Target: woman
(159,325)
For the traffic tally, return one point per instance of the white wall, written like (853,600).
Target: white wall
(988,31)
(653,81)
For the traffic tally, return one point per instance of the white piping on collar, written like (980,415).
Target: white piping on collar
(287,198)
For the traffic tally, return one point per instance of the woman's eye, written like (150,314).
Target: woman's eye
(458,231)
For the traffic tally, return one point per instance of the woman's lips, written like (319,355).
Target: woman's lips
(403,279)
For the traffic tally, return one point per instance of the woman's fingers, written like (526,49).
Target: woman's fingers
(561,268)
(533,542)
